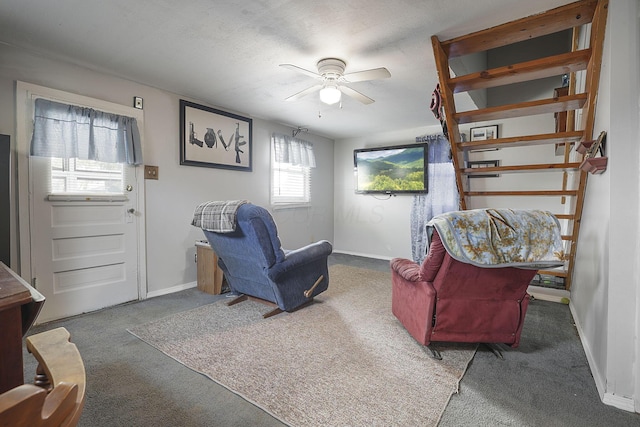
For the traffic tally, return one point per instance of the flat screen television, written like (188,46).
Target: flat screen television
(391,170)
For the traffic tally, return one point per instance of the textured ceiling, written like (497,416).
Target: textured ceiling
(227,53)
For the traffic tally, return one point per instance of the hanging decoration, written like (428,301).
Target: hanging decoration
(590,163)
(437,108)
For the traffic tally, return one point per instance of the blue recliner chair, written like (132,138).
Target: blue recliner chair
(255,265)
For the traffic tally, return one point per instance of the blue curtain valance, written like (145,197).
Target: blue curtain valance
(69,131)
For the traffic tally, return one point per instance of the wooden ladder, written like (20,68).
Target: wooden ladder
(586,60)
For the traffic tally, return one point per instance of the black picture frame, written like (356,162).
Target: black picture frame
(484,133)
(214,138)
(481,164)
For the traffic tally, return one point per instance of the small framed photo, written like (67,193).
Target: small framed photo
(484,133)
(481,164)
(214,138)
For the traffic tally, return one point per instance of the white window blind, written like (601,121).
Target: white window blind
(291,163)
(291,185)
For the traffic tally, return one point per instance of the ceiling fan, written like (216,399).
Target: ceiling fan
(331,74)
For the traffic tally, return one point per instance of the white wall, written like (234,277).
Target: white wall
(372,225)
(605,293)
(170,201)
(527,50)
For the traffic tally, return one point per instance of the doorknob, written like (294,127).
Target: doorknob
(131,210)
(129,187)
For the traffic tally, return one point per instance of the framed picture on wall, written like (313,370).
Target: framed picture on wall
(214,138)
(484,133)
(482,164)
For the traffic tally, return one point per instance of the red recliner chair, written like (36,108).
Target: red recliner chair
(447,300)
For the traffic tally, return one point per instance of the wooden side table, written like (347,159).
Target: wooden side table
(210,276)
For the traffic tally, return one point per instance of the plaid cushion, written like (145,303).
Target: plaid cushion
(218,216)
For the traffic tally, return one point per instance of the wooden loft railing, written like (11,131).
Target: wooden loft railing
(578,16)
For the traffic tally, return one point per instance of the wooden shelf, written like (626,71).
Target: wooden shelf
(564,216)
(551,193)
(553,21)
(546,167)
(530,108)
(557,273)
(532,70)
(524,141)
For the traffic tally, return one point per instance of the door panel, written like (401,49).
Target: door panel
(85,278)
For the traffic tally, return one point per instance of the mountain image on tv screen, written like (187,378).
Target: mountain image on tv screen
(391,170)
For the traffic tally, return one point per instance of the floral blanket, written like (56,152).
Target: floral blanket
(501,237)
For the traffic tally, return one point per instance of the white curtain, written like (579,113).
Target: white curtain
(442,196)
(293,151)
(69,131)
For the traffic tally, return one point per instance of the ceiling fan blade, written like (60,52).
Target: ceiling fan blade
(307,91)
(373,74)
(302,70)
(355,95)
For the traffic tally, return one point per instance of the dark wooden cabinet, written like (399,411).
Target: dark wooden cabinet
(19,307)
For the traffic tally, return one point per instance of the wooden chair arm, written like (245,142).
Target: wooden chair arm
(62,364)
(30,406)
(60,403)
(22,405)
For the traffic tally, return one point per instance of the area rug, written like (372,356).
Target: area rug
(344,360)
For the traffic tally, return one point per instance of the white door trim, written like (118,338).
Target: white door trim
(24,128)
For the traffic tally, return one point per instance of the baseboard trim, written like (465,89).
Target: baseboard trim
(363,255)
(597,376)
(624,403)
(172,289)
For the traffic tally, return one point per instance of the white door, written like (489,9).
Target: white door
(83,246)
(83,249)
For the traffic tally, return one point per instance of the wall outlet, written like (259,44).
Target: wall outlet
(151,172)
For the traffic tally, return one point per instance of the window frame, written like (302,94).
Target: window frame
(303,196)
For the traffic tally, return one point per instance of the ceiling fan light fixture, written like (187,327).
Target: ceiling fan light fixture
(332,78)
(330,94)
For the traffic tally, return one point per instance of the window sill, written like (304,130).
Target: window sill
(87,198)
(290,206)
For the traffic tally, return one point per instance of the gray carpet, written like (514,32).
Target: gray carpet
(130,383)
(343,360)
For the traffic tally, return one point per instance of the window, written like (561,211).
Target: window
(290,184)
(77,176)
(291,163)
